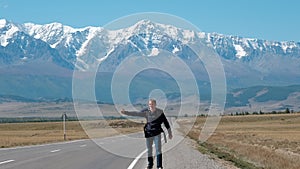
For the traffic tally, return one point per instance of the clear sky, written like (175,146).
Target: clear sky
(264,19)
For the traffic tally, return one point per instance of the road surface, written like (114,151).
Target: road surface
(119,152)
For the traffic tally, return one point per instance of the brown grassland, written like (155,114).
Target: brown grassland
(253,141)
(22,134)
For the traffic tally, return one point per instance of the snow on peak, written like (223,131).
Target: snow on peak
(7,34)
(56,33)
(143,26)
(287,45)
(154,52)
(175,49)
(51,33)
(151,33)
(188,35)
(240,52)
(93,31)
(158,30)
(144,22)
(2,23)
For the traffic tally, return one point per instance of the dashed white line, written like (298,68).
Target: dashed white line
(53,151)
(84,145)
(7,161)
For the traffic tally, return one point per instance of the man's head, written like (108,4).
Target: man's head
(152,105)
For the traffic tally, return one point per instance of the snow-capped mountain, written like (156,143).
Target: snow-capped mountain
(71,43)
(64,45)
(55,47)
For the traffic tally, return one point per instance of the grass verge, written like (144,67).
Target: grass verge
(252,141)
(33,133)
(212,150)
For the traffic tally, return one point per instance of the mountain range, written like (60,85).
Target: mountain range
(37,61)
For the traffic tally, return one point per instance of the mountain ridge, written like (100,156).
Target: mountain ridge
(58,36)
(36,50)
(71,47)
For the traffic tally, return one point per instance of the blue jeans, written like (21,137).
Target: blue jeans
(157,142)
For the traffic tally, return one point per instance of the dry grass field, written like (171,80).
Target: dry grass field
(21,134)
(254,141)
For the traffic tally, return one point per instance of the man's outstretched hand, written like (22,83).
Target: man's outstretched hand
(170,135)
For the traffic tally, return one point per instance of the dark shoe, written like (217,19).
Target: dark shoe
(150,163)
(159,161)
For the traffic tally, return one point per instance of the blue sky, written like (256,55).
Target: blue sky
(264,19)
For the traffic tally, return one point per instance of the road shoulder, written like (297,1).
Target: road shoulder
(186,156)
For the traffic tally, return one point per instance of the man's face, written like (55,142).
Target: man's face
(151,106)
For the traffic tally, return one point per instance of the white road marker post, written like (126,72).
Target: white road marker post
(64,116)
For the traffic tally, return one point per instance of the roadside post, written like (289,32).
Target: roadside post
(64,117)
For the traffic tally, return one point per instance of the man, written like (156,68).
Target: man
(152,130)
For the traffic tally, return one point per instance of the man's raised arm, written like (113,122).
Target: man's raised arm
(134,113)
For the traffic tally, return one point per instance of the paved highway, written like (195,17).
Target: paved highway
(107,153)
(119,152)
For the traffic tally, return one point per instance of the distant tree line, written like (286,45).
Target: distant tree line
(33,119)
(52,119)
(286,111)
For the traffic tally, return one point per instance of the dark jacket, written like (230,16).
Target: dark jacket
(154,121)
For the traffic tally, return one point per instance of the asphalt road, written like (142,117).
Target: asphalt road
(119,152)
(104,153)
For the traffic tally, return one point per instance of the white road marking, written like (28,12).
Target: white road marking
(140,155)
(7,161)
(53,151)
(84,145)
(136,160)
